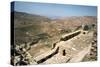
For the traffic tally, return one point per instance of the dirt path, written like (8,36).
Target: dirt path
(81,55)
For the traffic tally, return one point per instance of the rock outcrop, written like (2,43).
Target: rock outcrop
(20,55)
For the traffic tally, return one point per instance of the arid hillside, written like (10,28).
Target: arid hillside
(28,26)
(34,35)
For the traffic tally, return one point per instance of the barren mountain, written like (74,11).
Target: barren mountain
(31,26)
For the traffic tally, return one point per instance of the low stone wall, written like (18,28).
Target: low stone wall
(69,36)
(48,56)
(54,50)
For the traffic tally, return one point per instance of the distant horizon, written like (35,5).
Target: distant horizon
(54,10)
(55,17)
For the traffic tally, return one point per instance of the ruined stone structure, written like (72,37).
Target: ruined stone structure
(71,47)
(68,49)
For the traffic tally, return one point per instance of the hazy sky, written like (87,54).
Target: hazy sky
(53,10)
